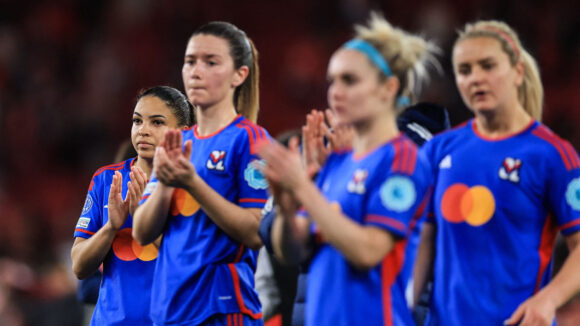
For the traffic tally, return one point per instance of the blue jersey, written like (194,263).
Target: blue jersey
(384,189)
(497,205)
(201,271)
(125,292)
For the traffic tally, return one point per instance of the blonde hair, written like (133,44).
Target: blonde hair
(406,54)
(531,91)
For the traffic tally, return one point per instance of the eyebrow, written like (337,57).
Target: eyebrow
(151,116)
(205,56)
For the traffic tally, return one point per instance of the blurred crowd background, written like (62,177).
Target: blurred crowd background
(70,71)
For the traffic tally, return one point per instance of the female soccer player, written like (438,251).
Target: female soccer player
(207,205)
(356,218)
(505,184)
(103,232)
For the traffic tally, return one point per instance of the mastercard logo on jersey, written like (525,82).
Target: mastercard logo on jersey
(127,249)
(473,205)
(183,204)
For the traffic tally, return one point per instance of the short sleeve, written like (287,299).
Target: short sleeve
(149,188)
(253,186)
(398,199)
(91,219)
(564,190)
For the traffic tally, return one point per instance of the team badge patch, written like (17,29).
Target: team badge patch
(573,194)
(216,160)
(510,169)
(83,222)
(398,193)
(88,205)
(357,184)
(149,188)
(254,177)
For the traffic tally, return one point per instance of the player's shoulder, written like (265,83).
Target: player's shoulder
(246,131)
(107,171)
(547,141)
(458,131)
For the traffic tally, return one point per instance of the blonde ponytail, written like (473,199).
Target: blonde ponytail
(407,55)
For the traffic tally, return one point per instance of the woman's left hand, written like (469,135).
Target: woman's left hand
(172,164)
(136,188)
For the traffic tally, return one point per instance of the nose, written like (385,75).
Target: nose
(476,75)
(334,92)
(192,71)
(144,129)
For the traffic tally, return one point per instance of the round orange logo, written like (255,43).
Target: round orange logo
(182,203)
(474,205)
(127,249)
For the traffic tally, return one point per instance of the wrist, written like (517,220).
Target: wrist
(111,228)
(301,188)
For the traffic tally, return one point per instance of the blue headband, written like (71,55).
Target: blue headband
(375,56)
(372,53)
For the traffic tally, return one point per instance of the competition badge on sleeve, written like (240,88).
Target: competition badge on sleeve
(573,194)
(398,193)
(254,177)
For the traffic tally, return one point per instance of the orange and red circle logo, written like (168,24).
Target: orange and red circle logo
(182,203)
(474,205)
(127,249)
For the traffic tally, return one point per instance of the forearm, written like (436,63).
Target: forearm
(362,246)
(150,218)
(423,267)
(88,254)
(290,239)
(566,283)
(239,223)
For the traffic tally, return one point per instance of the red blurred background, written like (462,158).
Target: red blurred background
(70,71)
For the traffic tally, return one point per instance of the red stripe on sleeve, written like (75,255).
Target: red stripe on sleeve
(84,231)
(397,157)
(406,154)
(253,200)
(571,154)
(389,221)
(569,225)
(250,137)
(543,133)
(412,160)
(258,133)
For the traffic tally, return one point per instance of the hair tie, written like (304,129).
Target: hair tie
(403,101)
(506,37)
(373,54)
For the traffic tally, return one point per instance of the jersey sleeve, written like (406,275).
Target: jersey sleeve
(563,189)
(253,186)
(91,219)
(151,185)
(399,198)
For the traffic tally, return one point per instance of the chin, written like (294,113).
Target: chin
(483,108)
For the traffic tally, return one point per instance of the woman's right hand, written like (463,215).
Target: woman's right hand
(172,164)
